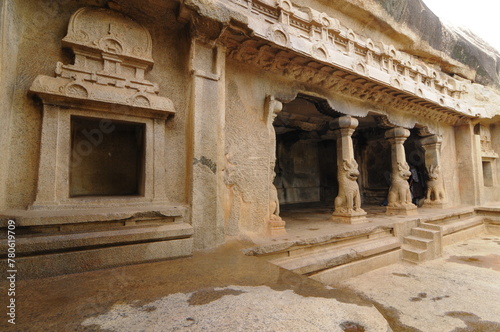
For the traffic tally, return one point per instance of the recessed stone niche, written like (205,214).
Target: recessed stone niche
(107,157)
(103,131)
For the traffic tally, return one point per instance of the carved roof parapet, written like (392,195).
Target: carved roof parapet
(323,40)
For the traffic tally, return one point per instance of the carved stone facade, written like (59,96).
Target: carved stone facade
(173,126)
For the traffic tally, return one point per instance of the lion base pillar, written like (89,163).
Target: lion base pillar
(399,196)
(436,193)
(348,201)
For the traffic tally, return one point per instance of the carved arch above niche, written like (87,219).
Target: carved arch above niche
(112,55)
(99,29)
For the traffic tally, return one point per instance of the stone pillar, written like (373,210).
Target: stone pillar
(348,201)
(399,198)
(436,195)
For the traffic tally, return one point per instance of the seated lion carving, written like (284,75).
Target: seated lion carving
(348,198)
(435,186)
(399,192)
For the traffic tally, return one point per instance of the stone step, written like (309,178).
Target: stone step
(424,232)
(48,243)
(320,260)
(418,242)
(305,246)
(413,254)
(489,211)
(432,227)
(349,270)
(49,255)
(48,265)
(459,213)
(464,234)
(461,224)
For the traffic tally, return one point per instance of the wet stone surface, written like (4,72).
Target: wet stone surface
(489,261)
(458,292)
(224,290)
(218,290)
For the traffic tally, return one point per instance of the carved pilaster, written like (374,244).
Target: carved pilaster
(436,194)
(206,116)
(399,198)
(348,201)
(275,225)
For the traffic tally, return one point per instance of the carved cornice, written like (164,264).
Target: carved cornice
(300,68)
(313,48)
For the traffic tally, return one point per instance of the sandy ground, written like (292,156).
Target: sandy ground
(223,290)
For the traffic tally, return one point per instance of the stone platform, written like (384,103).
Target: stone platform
(327,251)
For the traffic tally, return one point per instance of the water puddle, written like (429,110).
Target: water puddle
(473,322)
(352,327)
(490,261)
(205,296)
(403,275)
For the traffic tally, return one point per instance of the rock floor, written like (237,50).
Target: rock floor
(223,290)
(458,292)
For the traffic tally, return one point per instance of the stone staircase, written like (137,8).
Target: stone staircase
(423,244)
(343,254)
(427,239)
(340,258)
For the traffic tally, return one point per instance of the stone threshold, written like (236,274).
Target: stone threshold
(37,244)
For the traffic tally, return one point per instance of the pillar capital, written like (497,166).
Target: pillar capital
(398,132)
(431,142)
(344,122)
(344,126)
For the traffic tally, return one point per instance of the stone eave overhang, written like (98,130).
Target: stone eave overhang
(315,49)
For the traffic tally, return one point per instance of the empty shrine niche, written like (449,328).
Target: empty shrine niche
(103,132)
(107,157)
